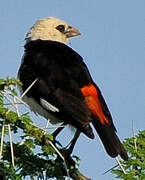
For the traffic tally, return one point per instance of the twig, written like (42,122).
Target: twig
(14,103)
(9,104)
(6,95)
(18,98)
(120,165)
(10,136)
(54,127)
(57,151)
(79,176)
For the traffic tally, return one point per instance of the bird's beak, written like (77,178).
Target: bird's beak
(71,32)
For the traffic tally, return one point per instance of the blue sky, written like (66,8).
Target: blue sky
(112,45)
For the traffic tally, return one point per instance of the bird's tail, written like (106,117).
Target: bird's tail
(110,140)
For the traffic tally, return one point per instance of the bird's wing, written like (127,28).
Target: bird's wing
(97,105)
(62,103)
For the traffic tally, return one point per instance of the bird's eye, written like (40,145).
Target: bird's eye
(61,28)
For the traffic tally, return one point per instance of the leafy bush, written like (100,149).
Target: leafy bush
(135,166)
(21,159)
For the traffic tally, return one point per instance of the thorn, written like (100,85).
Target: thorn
(2,141)
(16,106)
(134,135)
(120,165)
(24,93)
(11,145)
(61,156)
(110,169)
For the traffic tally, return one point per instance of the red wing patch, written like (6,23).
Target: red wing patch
(91,96)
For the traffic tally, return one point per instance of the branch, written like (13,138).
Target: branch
(26,161)
(42,139)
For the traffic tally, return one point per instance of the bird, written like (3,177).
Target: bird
(58,85)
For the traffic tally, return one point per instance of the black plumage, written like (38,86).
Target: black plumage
(62,75)
(57,83)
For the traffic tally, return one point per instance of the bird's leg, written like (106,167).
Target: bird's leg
(57,131)
(73,141)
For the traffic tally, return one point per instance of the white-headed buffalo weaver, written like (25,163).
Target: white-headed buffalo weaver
(64,90)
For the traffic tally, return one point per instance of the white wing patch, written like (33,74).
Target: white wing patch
(48,106)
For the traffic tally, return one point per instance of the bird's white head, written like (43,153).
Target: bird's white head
(51,29)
